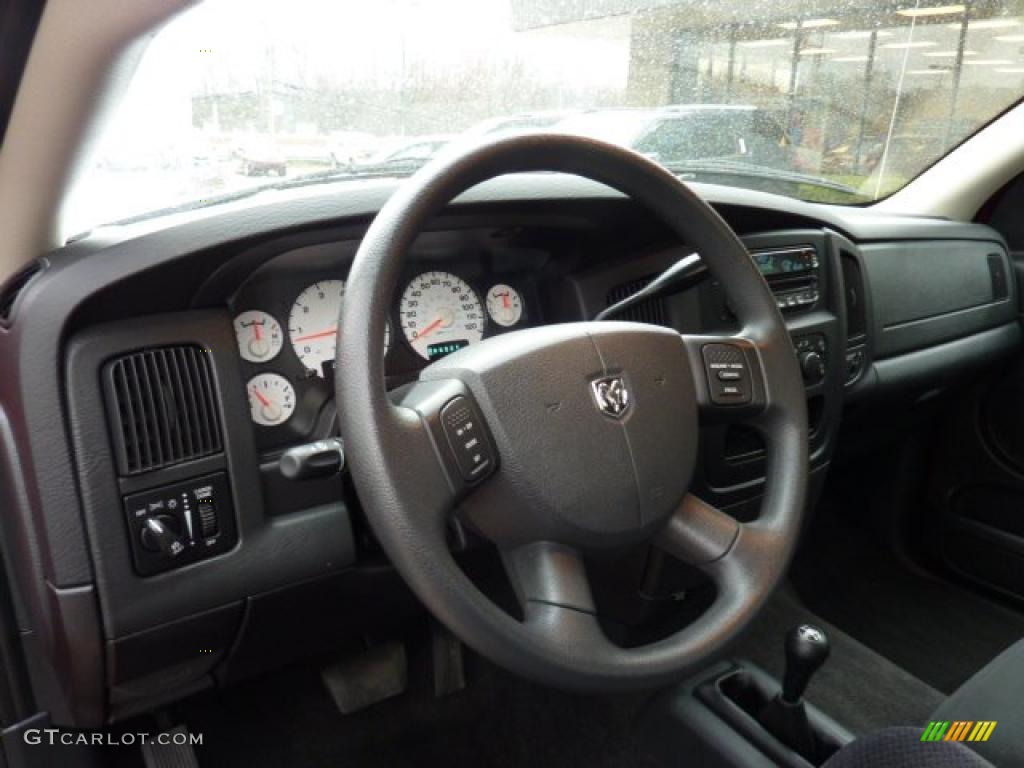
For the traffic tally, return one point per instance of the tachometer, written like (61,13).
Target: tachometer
(439,314)
(313,324)
(271,399)
(259,336)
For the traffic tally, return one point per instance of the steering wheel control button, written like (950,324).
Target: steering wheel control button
(469,443)
(728,374)
(180,524)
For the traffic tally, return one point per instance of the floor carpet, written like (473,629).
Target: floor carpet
(857,687)
(289,719)
(939,632)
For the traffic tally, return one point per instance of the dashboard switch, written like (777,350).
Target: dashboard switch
(466,436)
(159,534)
(208,527)
(178,524)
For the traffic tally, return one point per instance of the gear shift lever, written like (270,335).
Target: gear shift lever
(785,716)
(807,649)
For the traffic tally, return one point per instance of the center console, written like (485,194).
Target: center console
(735,714)
(803,271)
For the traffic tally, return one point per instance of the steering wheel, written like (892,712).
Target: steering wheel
(571,439)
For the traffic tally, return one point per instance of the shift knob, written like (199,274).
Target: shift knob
(806,650)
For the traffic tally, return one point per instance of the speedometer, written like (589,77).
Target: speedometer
(440,313)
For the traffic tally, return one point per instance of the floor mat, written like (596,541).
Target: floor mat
(289,719)
(857,687)
(938,632)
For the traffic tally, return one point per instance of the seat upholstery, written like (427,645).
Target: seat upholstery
(996,692)
(902,748)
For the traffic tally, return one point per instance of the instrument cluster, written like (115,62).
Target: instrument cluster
(287,332)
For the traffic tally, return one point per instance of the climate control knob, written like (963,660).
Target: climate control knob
(812,366)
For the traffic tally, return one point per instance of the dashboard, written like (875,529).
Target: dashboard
(456,291)
(161,374)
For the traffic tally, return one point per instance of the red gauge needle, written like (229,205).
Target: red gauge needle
(504,300)
(430,328)
(320,335)
(256,330)
(261,398)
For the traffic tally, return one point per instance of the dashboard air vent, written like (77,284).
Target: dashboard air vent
(856,312)
(652,311)
(163,408)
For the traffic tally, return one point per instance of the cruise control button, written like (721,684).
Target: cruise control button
(728,374)
(469,446)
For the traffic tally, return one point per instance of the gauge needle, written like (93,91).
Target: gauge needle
(431,328)
(256,330)
(261,398)
(320,335)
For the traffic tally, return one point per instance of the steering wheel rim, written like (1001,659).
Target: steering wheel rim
(406,480)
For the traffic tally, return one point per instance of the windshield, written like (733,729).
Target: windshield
(844,104)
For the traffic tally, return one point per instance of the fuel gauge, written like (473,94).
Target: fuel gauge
(259,336)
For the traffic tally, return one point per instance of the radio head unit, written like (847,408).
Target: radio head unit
(792,274)
(786,261)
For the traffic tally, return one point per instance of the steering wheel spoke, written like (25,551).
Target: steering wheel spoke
(728,377)
(461,440)
(551,584)
(734,555)
(543,572)
(698,533)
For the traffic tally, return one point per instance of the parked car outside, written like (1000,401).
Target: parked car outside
(406,156)
(685,133)
(262,158)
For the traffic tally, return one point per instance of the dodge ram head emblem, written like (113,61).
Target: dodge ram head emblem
(611,395)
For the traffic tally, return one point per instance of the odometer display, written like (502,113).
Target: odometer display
(439,307)
(445,348)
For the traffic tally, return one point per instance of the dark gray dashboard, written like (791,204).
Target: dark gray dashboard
(901,302)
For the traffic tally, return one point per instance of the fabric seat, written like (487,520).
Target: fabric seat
(995,692)
(902,748)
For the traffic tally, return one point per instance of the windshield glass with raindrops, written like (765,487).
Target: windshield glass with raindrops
(840,101)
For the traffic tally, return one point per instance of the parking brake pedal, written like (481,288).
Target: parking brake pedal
(370,677)
(176,753)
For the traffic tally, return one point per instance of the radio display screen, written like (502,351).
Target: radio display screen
(772,263)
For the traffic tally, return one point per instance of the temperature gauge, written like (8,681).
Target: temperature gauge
(259,336)
(271,399)
(504,305)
